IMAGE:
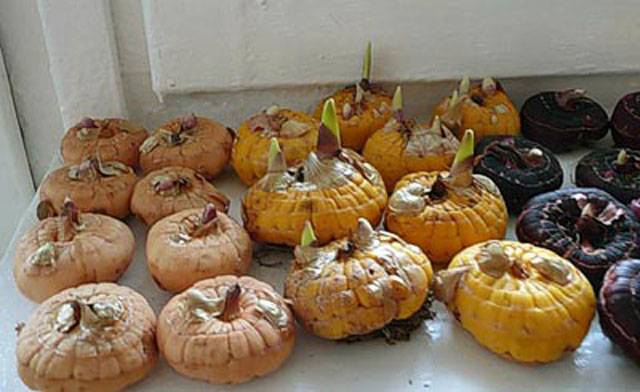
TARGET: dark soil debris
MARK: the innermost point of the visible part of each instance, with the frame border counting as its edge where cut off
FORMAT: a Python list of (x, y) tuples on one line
[(398, 330)]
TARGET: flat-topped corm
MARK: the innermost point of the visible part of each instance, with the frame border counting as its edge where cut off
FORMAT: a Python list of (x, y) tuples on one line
[(113, 139), (66, 250), (445, 212), (172, 189), (560, 120), (362, 108), (519, 167), (226, 330), (403, 146), (625, 121), (332, 188), (614, 170), (94, 186), (196, 244), (199, 143), (483, 106), (522, 302), (587, 226), (357, 284), (619, 306), (296, 133), (94, 337)]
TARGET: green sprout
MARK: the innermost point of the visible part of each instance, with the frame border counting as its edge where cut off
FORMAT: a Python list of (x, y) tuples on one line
[(366, 62), (330, 119), (308, 235)]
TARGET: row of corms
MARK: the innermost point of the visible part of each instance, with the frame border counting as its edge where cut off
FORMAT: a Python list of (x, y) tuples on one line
[(530, 301)]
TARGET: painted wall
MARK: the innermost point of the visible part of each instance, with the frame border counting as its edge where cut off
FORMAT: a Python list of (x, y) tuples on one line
[(233, 45), (27, 64), (17, 187), (154, 59), (229, 59)]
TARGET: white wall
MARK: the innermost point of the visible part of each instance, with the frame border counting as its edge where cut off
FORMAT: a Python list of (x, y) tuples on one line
[(205, 45), (229, 58), (83, 60), (17, 187), (27, 63)]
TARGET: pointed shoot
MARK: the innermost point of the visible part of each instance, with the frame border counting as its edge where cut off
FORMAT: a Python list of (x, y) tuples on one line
[(452, 117), (464, 85), (366, 63), (359, 93), (465, 151), (231, 302), (453, 100), (461, 173), (329, 132), (365, 234), (308, 235), (623, 158), (208, 214), (188, 122), (70, 210), (87, 122), (436, 125), (276, 158), (272, 110), (396, 103), (329, 118)]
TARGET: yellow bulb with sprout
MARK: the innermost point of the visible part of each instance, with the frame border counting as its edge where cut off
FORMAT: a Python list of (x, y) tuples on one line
[(332, 188)]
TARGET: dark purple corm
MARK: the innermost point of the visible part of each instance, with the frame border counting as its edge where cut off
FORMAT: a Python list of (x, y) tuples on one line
[(619, 306), (561, 119), (519, 167), (625, 121), (587, 226), (614, 170)]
